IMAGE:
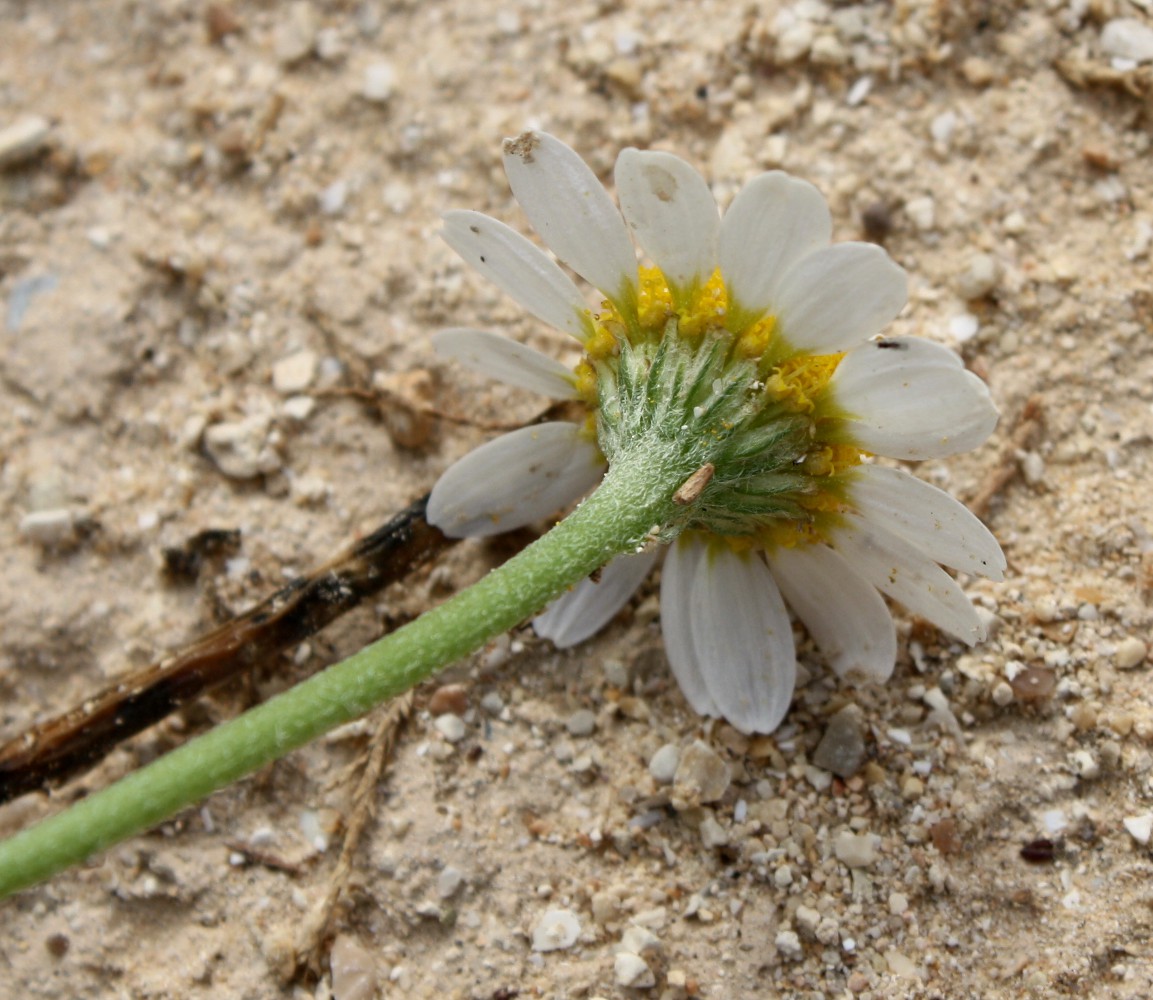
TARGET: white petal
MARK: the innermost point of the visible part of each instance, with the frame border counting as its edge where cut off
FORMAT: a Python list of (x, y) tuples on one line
[(838, 296), (673, 215), (506, 361), (895, 567), (515, 480), (680, 568), (772, 223), (573, 213), (911, 398), (941, 527), (846, 616), (520, 269), (589, 606), (743, 640)]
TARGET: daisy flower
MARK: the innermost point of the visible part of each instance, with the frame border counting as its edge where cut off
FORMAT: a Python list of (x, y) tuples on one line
[(747, 347)]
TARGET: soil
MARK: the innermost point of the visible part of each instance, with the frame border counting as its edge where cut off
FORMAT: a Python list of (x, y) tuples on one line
[(220, 271)]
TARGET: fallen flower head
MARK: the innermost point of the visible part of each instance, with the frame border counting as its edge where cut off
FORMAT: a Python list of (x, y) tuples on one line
[(750, 344)]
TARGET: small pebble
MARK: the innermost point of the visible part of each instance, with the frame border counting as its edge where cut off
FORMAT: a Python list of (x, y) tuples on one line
[(795, 41), (379, 82), (808, 920), (842, 748), (295, 35), (856, 850), (1128, 39), (449, 881), (451, 727), (353, 969), (293, 374), (922, 213), (980, 278), (1140, 827), (1002, 694), (1084, 765), (701, 776), (557, 930), (1130, 653), (581, 723), (663, 764), (632, 972), (449, 698), (977, 71), (783, 877), (898, 903), (49, 528), (639, 940), (712, 833), (23, 140), (242, 449), (492, 703), (789, 944)]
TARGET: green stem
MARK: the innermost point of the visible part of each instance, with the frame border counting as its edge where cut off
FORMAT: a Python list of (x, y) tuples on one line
[(635, 496)]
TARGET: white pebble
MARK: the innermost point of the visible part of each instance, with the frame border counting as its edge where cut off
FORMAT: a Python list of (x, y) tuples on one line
[(1129, 39), (1084, 765), (856, 850), (449, 881), (1002, 694), (638, 940), (242, 449), (632, 972), (783, 877), (450, 726), (1140, 827), (789, 945), (557, 930), (663, 764), (1130, 653), (49, 528), (23, 139), (581, 723), (353, 969), (807, 920), (331, 200), (898, 903), (712, 833), (379, 82), (795, 41), (922, 213), (702, 774), (293, 374), (295, 36), (963, 327), (980, 277)]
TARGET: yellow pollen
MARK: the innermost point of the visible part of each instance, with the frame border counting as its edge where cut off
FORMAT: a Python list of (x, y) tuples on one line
[(831, 459), (706, 307), (654, 300), (603, 343), (753, 342), (585, 382), (797, 382)]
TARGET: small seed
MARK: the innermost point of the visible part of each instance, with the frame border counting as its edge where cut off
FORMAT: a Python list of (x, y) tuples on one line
[(691, 489)]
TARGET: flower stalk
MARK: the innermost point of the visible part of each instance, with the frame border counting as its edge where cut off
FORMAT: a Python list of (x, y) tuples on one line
[(636, 496)]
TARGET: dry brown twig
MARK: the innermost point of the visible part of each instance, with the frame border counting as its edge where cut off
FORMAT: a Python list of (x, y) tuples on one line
[(316, 932), (1008, 465)]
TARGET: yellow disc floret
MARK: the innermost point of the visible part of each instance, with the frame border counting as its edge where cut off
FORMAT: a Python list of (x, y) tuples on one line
[(797, 382)]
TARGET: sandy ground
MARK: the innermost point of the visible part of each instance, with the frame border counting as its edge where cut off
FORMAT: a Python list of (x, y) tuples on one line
[(226, 220)]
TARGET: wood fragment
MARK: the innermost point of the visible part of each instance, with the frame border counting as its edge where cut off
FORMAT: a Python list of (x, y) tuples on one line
[(63, 747)]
